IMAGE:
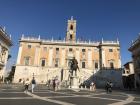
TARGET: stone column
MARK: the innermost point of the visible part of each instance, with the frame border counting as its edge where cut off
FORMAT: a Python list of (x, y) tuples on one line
[(6, 56), (19, 54), (63, 53), (5, 61), (103, 57), (37, 56), (89, 59), (119, 62), (50, 63)]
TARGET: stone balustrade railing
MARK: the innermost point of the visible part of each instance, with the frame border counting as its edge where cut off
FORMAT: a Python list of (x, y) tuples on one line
[(5, 34), (64, 41)]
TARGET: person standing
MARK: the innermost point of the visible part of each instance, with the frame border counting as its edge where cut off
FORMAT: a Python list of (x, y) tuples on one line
[(107, 87), (92, 86), (54, 85), (27, 82), (33, 84), (110, 87), (57, 84)]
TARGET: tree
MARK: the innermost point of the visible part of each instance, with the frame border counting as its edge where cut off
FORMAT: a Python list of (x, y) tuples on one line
[(11, 74)]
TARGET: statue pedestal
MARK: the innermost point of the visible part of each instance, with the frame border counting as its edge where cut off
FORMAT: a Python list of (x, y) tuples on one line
[(74, 82)]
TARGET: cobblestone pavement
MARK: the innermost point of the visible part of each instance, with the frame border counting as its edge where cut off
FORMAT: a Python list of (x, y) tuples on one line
[(14, 94)]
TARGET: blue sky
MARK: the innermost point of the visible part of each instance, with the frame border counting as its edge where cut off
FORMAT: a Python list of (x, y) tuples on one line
[(110, 19)]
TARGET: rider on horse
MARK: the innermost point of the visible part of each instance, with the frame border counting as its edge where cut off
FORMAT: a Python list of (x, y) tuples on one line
[(74, 66)]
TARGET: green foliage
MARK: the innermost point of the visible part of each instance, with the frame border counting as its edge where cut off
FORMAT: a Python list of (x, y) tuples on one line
[(11, 74)]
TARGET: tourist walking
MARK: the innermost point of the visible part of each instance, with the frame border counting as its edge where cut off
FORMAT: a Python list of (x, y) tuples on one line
[(57, 84), (109, 87), (54, 85), (33, 84), (92, 86), (49, 84)]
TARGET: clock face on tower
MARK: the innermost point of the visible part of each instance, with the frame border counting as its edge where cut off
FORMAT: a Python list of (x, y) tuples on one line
[(71, 32)]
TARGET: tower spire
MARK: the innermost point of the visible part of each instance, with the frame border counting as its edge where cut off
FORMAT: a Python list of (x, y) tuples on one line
[(71, 17)]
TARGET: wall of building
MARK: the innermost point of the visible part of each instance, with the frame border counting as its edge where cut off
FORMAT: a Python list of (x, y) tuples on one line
[(37, 52), (57, 53), (113, 56), (135, 50), (5, 43)]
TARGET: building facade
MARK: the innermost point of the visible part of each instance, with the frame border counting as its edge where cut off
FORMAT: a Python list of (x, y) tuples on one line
[(128, 68), (128, 75), (46, 59), (5, 43), (135, 50)]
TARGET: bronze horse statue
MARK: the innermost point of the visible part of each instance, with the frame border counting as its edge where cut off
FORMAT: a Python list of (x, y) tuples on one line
[(74, 66)]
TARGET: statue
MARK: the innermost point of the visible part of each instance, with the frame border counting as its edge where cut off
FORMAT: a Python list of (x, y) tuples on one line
[(74, 66)]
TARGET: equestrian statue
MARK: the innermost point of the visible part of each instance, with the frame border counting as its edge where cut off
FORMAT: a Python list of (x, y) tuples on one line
[(73, 66)]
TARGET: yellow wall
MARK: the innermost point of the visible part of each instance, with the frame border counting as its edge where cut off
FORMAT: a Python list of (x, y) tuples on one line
[(115, 55)]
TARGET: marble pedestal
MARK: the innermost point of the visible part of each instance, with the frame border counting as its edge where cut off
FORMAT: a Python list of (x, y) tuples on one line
[(74, 82)]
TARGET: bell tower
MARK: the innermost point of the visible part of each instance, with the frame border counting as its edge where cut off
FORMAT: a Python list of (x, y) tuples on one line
[(71, 30)]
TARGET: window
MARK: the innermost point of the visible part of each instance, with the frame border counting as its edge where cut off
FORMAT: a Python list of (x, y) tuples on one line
[(29, 46), (96, 65), (57, 51), (43, 62), (56, 62), (111, 65), (71, 27), (27, 61), (83, 50), (123, 71), (70, 49), (83, 64), (127, 72), (118, 49), (110, 50)]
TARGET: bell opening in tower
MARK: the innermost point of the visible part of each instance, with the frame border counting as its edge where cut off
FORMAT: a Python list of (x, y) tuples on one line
[(70, 36), (71, 27)]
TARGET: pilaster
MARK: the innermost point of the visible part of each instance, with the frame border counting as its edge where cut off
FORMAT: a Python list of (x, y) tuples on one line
[(19, 54)]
